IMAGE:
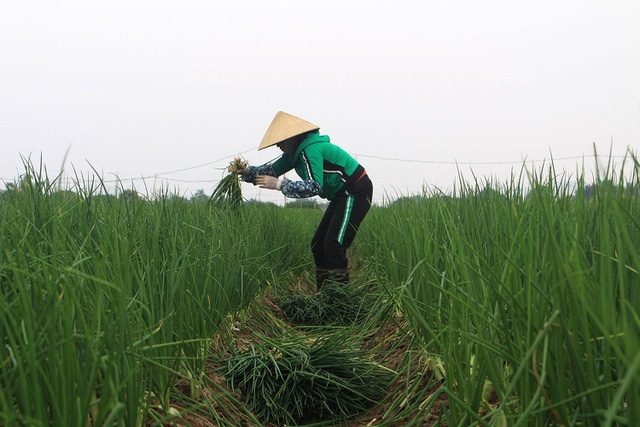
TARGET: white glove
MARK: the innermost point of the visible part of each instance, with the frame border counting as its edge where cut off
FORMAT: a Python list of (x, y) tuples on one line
[(269, 182)]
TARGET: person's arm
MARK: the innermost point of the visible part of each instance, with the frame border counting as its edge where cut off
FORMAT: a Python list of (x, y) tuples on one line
[(253, 171), (276, 169), (300, 189), (312, 186)]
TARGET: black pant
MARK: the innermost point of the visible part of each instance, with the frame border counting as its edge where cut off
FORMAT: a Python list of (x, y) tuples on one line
[(337, 230)]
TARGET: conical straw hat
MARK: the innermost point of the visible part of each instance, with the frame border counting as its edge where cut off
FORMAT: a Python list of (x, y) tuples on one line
[(285, 126)]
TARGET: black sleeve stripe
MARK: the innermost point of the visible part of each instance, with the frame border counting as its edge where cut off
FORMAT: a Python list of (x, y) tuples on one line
[(306, 162)]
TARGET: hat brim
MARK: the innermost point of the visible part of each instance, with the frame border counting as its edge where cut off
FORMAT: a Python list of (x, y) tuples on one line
[(283, 127)]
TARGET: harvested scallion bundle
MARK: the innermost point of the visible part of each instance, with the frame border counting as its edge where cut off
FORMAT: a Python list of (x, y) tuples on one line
[(336, 304), (292, 379), (228, 190)]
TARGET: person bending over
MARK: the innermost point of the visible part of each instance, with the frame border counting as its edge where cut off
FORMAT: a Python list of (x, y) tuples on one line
[(326, 171)]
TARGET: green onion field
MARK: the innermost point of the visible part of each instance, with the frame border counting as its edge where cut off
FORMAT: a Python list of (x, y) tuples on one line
[(498, 304)]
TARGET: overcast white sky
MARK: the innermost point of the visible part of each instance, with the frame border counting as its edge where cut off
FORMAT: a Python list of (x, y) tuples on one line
[(143, 87)]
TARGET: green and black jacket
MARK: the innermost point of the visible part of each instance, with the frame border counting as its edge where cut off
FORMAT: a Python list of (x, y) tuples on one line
[(326, 169)]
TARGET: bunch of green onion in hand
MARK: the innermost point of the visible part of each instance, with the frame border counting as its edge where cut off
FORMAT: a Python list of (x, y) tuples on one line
[(228, 190)]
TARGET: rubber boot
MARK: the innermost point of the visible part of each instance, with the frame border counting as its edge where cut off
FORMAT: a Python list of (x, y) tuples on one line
[(322, 275)]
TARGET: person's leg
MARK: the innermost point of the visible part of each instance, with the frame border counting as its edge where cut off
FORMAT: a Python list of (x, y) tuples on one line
[(317, 246), (349, 212)]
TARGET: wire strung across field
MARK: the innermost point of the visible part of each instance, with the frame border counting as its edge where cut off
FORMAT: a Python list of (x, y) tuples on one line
[(162, 177)]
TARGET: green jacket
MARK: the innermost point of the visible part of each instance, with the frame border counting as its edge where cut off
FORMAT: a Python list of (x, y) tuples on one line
[(319, 160)]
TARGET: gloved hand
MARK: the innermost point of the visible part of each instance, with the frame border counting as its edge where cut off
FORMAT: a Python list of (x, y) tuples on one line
[(269, 182)]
